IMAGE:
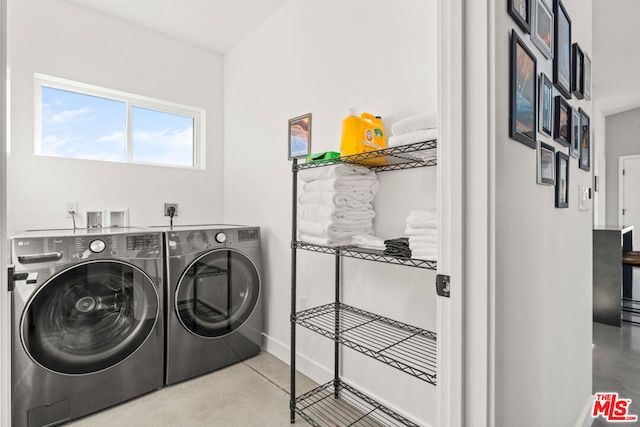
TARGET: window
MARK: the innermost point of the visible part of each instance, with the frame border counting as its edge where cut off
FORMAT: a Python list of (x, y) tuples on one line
[(79, 121)]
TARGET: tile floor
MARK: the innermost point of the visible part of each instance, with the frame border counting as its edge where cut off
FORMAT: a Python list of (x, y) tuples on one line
[(251, 393)]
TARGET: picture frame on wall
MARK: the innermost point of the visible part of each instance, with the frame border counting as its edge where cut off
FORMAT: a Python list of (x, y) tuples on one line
[(523, 92), (542, 27), (587, 77), (562, 180), (562, 50), (574, 151), (545, 115), (546, 164), (520, 11), (562, 122), (300, 136), (585, 141), (577, 71)]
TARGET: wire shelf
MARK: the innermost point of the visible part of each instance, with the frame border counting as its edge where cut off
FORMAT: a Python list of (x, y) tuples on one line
[(409, 156), (338, 404), (408, 348), (366, 254)]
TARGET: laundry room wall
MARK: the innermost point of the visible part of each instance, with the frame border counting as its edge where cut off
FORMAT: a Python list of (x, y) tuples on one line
[(324, 57), (60, 39), (543, 262)]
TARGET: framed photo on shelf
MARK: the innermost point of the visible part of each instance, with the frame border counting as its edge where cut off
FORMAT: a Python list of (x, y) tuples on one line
[(542, 27), (562, 50), (587, 77), (545, 115), (574, 151), (577, 72), (546, 164), (585, 141), (562, 180), (562, 122), (523, 94), (300, 136), (520, 11)]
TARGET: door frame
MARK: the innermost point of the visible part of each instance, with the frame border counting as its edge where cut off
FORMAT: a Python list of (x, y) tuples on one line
[(5, 305), (621, 160)]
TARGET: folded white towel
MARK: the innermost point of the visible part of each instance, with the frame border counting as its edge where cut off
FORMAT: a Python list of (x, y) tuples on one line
[(427, 256), (413, 123), (410, 231), (422, 238), (423, 246), (334, 171), (340, 184), (336, 198), (322, 213), (368, 242), (331, 229), (325, 241), (425, 156), (422, 219), (412, 137)]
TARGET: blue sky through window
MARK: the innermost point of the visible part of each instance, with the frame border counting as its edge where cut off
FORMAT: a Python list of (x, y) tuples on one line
[(75, 125)]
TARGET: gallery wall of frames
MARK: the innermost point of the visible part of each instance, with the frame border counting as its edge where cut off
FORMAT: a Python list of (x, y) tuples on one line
[(537, 118)]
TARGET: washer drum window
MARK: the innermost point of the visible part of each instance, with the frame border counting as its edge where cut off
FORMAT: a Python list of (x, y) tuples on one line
[(217, 293), (90, 317)]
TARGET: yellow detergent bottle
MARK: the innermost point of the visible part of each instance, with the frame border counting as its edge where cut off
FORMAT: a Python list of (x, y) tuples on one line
[(362, 134)]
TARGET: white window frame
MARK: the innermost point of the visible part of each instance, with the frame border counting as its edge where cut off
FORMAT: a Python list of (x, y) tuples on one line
[(130, 100)]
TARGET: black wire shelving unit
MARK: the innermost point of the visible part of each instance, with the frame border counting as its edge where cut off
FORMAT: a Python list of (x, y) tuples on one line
[(407, 348)]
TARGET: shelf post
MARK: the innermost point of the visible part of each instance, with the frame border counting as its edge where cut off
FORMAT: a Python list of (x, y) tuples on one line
[(336, 344), (294, 215)]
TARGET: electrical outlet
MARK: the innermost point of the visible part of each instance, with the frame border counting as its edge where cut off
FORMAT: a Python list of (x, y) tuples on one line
[(168, 207), (71, 207)]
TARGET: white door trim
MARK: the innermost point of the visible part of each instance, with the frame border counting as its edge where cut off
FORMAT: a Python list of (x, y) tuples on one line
[(5, 306), (621, 160)]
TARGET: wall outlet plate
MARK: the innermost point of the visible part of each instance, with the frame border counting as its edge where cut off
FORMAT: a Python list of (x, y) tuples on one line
[(71, 206), (168, 206)]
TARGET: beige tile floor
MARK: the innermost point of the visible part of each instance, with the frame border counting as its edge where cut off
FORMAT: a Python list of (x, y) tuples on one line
[(251, 393)]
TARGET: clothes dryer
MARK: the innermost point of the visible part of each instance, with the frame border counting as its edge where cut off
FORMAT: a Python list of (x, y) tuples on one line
[(214, 310), (87, 333)]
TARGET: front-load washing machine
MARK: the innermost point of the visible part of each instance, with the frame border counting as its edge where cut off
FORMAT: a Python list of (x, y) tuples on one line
[(87, 310), (214, 310)]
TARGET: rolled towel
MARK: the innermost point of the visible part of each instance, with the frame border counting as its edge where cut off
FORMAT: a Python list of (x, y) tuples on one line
[(334, 171), (322, 213), (410, 231), (325, 241), (414, 123), (368, 242), (336, 198), (340, 184), (331, 229), (422, 219), (412, 137), (425, 255)]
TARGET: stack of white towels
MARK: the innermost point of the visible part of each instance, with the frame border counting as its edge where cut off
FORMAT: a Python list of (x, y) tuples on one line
[(421, 227), (336, 204), (419, 128)]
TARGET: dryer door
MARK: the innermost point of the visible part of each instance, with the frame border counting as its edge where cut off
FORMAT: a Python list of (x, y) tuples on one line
[(89, 317), (217, 293)]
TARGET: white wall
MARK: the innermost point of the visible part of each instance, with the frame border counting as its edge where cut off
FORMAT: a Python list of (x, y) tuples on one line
[(622, 140), (61, 39), (324, 57), (543, 310)]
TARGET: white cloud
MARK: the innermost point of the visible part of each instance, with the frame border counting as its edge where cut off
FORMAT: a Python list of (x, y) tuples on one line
[(66, 116), (166, 138), (117, 136)]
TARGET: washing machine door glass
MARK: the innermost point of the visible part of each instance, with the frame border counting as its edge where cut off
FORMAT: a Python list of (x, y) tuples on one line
[(217, 293), (90, 317)]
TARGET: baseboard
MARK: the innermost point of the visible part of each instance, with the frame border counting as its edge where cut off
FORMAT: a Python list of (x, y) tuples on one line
[(585, 419), (304, 365)]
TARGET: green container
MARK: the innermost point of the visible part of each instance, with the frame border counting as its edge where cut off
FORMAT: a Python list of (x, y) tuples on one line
[(326, 156)]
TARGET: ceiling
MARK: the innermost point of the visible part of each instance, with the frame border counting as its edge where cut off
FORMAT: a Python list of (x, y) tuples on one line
[(216, 25), (616, 55)]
